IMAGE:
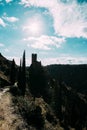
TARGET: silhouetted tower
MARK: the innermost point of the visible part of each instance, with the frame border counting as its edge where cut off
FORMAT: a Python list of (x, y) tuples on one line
[(34, 58)]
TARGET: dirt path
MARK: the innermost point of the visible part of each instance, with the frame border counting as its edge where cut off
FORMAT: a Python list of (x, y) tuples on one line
[(9, 120)]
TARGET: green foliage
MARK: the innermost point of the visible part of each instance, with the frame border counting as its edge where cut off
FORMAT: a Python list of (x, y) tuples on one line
[(70, 108), (73, 75), (30, 112), (23, 73), (38, 81), (22, 76), (14, 90), (13, 73)]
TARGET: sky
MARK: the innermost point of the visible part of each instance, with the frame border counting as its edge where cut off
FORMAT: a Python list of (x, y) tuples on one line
[(54, 29)]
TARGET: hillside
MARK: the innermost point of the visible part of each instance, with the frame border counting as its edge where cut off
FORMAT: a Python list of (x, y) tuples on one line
[(43, 98), (12, 119), (5, 65), (22, 113), (4, 80), (5, 70), (73, 75)]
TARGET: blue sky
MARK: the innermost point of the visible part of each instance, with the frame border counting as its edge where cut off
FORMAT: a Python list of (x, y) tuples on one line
[(54, 29)]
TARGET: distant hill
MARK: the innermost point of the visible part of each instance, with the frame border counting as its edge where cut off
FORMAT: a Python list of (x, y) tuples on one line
[(73, 75)]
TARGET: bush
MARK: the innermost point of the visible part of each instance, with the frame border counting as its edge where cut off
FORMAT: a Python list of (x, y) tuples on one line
[(30, 112)]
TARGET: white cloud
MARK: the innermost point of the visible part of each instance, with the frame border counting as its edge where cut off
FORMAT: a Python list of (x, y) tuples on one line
[(6, 50), (57, 60), (70, 18), (44, 3), (8, 1), (44, 42), (10, 19), (17, 59), (1, 45), (65, 60), (2, 23)]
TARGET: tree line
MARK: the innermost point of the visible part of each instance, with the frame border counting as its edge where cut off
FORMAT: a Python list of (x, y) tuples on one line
[(36, 80)]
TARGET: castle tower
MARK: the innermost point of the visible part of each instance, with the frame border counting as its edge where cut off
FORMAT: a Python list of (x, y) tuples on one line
[(34, 58)]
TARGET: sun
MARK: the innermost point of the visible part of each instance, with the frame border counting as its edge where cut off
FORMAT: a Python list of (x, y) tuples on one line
[(34, 26)]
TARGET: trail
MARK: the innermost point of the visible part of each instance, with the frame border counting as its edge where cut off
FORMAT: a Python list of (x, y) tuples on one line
[(9, 118), (3, 91)]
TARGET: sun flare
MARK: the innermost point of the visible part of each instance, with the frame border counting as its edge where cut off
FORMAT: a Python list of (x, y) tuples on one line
[(34, 27)]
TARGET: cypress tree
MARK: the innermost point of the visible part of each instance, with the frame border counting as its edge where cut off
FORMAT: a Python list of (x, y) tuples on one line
[(13, 72), (20, 76), (23, 74)]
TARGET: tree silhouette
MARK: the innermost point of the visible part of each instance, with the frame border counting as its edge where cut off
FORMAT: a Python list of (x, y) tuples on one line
[(23, 79), (13, 72), (38, 80), (22, 76)]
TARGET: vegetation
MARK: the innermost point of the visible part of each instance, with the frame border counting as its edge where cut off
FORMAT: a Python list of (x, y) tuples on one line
[(51, 95), (13, 73), (38, 81), (22, 76), (73, 75), (19, 76)]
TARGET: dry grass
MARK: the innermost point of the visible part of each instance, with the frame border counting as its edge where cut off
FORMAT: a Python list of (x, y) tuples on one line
[(9, 120), (4, 77)]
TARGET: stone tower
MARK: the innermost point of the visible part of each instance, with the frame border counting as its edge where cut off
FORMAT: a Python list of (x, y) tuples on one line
[(34, 58)]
